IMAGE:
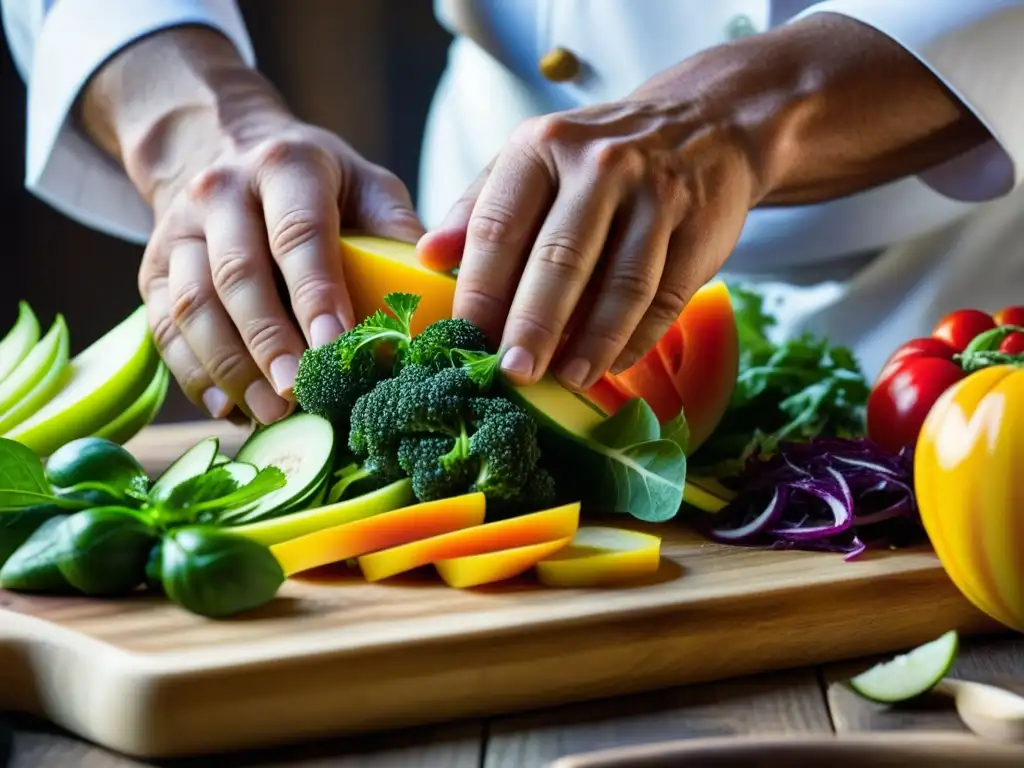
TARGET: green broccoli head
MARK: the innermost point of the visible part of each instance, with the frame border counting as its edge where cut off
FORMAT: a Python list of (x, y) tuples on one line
[(436, 465), (333, 376), (328, 382), (433, 346), (374, 432), (506, 451)]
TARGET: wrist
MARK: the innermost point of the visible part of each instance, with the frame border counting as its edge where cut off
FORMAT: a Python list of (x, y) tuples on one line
[(168, 104), (824, 107)]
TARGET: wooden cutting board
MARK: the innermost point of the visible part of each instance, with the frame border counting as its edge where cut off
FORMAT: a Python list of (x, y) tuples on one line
[(336, 655)]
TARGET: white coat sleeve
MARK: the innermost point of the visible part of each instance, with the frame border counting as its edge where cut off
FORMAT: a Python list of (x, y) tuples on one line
[(57, 45), (976, 48)]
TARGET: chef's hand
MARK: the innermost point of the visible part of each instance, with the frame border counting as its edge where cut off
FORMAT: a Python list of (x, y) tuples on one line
[(240, 190), (584, 239)]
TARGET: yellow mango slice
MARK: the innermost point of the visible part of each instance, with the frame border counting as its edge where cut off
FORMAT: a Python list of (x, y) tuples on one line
[(490, 567), (375, 267), (536, 528), (380, 532), (601, 556)]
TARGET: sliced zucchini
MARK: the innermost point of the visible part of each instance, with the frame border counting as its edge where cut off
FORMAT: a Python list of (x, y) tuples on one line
[(192, 463), (243, 472), (221, 459), (301, 446)]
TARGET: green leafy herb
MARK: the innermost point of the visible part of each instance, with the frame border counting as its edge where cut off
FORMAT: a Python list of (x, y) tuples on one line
[(795, 390), (22, 478), (637, 471), (209, 496), (381, 326)]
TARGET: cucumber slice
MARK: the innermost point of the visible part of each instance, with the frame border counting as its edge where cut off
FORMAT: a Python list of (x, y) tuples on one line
[(192, 463), (242, 472), (301, 446), (221, 458), (910, 675)]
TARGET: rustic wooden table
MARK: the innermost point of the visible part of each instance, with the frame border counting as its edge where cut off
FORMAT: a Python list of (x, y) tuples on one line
[(803, 701), (799, 701)]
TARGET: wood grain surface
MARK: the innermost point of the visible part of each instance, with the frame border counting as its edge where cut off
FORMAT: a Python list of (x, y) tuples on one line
[(336, 655)]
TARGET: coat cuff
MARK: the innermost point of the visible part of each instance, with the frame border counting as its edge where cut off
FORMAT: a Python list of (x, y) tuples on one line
[(63, 167), (972, 47)]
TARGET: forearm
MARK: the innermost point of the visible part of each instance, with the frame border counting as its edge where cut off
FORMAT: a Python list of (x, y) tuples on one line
[(826, 107), (154, 106)]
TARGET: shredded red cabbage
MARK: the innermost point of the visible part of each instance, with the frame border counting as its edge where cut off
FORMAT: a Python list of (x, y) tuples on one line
[(829, 494)]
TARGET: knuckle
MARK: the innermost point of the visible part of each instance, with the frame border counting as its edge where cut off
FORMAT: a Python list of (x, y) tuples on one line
[(561, 254), (547, 129), (634, 283), (230, 270), (193, 381), (312, 290), (491, 225), (229, 365), (264, 337), (618, 158), (188, 300), (164, 331), (281, 152), (293, 230), (668, 302), (531, 325), (210, 183), (666, 187)]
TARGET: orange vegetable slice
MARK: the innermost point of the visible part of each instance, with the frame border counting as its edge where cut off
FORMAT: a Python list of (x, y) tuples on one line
[(536, 528), (475, 570), (380, 532), (601, 556)]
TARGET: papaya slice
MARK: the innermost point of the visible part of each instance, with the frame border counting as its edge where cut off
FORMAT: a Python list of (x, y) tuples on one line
[(535, 528), (601, 556), (384, 531), (491, 567)]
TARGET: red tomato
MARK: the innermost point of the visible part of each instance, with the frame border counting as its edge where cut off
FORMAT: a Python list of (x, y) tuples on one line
[(1013, 344), (905, 392), (1009, 316), (959, 328)]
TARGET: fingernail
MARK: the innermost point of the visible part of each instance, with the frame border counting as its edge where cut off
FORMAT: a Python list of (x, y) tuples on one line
[(518, 361), (282, 372), (264, 402), (574, 373), (325, 329), (216, 402)]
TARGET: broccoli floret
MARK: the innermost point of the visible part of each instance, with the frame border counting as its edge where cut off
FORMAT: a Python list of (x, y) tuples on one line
[(328, 384), (433, 346), (450, 439), (333, 376)]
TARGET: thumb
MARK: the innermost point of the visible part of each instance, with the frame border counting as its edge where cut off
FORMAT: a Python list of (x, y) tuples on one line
[(441, 248), (384, 208)]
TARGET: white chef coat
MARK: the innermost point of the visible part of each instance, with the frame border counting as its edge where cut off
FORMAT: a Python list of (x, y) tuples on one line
[(868, 270)]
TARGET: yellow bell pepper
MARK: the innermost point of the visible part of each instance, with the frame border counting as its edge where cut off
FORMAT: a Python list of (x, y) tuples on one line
[(969, 481)]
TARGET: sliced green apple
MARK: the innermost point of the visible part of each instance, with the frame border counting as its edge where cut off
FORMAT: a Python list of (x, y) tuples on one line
[(18, 342), (112, 371), (37, 378), (140, 413)]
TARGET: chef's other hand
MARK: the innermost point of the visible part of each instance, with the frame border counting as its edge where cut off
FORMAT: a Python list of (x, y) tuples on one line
[(241, 190), (588, 233)]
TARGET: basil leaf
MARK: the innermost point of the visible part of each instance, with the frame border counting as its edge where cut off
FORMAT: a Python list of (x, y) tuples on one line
[(633, 423), (22, 477), (267, 479)]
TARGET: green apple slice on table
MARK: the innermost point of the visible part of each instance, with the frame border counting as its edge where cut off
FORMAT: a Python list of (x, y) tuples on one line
[(18, 342), (97, 385), (140, 413), (36, 378)]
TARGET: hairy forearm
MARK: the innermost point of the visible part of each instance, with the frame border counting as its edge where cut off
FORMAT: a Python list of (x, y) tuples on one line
[(155, 105), (826, 107)]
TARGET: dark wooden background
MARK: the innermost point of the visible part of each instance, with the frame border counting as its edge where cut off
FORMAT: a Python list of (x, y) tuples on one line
[(364, 69)]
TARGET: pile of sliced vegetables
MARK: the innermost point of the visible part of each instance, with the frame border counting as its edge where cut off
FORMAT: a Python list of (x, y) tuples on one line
[(218, 535), (827, 494)]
